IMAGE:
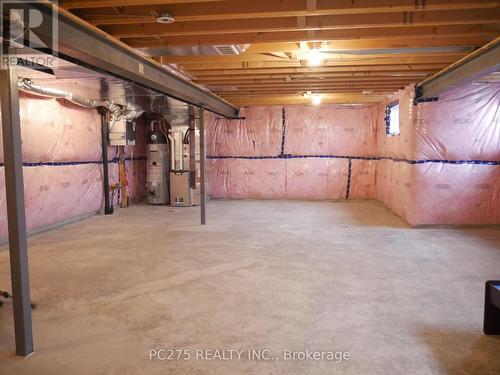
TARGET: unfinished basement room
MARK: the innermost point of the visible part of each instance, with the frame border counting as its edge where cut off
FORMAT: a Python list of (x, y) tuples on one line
[(278, 187)]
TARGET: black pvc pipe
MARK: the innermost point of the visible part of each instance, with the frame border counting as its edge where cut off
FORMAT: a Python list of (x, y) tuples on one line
[(108, 209)]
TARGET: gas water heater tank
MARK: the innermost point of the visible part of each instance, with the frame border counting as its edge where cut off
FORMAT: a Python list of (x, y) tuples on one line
[(157, 184)]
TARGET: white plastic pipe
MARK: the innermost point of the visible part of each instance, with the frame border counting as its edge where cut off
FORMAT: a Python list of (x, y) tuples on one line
[(172, 151)]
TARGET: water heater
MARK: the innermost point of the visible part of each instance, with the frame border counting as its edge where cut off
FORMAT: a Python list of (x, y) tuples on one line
[(157, 184)]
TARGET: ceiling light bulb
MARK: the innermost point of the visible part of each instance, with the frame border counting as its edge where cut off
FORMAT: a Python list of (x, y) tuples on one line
[(316, 100), (315, 57)]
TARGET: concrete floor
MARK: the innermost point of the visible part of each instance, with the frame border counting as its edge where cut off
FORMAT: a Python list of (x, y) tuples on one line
[(348, 277)]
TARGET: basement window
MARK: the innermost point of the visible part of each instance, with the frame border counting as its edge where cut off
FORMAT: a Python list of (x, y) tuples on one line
[(392, 119)]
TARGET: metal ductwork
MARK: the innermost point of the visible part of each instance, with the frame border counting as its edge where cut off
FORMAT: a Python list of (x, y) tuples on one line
[(88, 47), (117, 111)]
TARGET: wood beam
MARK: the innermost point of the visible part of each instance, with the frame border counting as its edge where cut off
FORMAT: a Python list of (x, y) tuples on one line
[(332, 22), (80, 4), (257, 95), (339, 86), (346, 34), (242, 83), (330, 58), (358, 87), (322, 70), (336, 98), (273, 85), (243, 9), (320, 90), (267, 65), (326, 75), (270, 65), (349, 45), (311, 5), (242, 99)]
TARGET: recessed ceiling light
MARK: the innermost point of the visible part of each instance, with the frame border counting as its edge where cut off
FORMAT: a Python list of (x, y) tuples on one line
[(316, 99), (315, 57), (165, 18)]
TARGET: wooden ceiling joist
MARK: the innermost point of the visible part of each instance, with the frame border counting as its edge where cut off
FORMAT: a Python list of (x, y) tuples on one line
[(332, 22), (264, 82), (325, 75), (369, 49), (486, 30), (373, 44), (291, 99), (332, 58), (347, 44), (350, 69), (81, 4), (140, 11), (306, 84)]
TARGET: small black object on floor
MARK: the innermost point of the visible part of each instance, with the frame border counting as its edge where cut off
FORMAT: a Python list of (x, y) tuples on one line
[(492, 308)]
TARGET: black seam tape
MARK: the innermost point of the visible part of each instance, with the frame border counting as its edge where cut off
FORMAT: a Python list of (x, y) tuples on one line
[(349, 173), (83, 162), (416, 161)]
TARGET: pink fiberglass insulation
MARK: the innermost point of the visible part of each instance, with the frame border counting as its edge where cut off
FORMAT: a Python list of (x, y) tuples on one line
[(400, 146), (136, 177), (315, 131), (363, 179), (454, 140), (316, 179), (331, 130), (304, 178), (57, 132), (464, 124), (394, 179), (136, 164), (440, 193), (425, 174), (395, 187), (455, 194), (257, 134), (56, 193), (243, 178)]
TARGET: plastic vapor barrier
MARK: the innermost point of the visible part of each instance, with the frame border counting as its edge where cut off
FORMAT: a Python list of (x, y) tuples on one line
[(62, 159), (293, 153), (332, 130), (442, 167), (259, 134)]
